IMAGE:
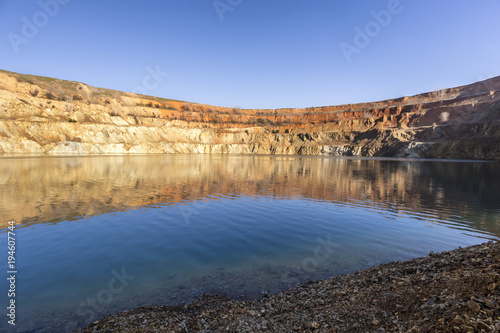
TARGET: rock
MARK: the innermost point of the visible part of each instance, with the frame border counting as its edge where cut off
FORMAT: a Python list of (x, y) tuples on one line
[(315, 325), (375, 322), (473, 306), (483, 326), (490, 304)]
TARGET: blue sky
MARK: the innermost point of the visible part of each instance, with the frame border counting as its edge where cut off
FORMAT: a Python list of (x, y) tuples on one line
[(256, 53)]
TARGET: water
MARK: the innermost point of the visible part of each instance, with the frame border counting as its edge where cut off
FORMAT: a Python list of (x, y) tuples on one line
[(96, 235)]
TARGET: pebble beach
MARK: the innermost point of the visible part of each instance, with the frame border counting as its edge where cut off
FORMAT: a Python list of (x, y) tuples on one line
[(455, 291)]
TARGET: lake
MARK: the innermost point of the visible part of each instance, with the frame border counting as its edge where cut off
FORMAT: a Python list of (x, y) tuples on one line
[(100, 234)]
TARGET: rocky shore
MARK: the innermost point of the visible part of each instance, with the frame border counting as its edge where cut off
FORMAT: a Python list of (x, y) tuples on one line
[(456, 291)]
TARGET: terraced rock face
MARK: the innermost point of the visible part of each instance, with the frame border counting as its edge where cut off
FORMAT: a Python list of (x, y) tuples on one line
[(49, 116)]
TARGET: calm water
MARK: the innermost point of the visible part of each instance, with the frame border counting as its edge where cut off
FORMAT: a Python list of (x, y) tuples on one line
[(96, 235)]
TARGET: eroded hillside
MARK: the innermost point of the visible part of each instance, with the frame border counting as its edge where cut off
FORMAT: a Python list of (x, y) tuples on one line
[(51, 116)]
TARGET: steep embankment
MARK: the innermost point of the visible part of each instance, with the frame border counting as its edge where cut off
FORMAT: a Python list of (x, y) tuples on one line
[(51, 116)]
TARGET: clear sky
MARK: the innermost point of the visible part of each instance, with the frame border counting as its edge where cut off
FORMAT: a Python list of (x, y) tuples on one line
[(255, 53)]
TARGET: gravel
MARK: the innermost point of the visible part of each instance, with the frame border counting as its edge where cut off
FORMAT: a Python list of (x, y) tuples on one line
[(456, 291)]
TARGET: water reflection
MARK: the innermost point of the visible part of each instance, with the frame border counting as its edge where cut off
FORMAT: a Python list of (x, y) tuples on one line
[(52, 189), (185, 225)]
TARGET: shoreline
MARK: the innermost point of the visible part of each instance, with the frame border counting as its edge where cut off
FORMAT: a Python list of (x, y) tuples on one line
[(453, 291)]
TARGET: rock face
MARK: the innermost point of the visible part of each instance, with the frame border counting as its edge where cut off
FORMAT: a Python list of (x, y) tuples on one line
[(49, 116)]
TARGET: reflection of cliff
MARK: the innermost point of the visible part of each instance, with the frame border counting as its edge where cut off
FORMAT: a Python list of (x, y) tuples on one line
[(46, 115), (45, 190)]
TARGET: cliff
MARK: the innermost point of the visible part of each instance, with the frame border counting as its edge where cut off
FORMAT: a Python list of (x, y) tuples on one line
[(43, 115)]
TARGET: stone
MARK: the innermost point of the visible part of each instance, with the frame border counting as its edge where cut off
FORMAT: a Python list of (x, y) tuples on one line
[(490, 304), (473, 306), (483, 326)]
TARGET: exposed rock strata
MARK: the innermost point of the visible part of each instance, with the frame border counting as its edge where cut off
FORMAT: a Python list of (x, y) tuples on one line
[(49, 116)]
